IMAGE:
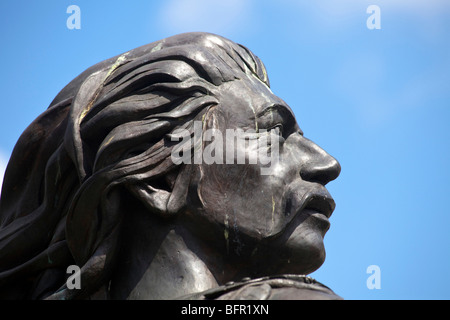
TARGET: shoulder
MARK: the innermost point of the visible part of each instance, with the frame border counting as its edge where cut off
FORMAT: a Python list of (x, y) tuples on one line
[(282, 287)]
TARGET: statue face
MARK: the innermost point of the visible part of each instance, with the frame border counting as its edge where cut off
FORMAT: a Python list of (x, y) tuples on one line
[(275, 221)]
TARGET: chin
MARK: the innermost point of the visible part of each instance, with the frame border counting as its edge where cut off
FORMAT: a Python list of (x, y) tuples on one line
[(299, 252), (305, 257), (303, 249)]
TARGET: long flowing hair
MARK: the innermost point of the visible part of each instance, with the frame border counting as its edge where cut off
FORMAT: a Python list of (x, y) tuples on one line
[(107, 131)]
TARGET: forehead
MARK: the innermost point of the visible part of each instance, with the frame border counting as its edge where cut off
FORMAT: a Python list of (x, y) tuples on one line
[(245, 99)]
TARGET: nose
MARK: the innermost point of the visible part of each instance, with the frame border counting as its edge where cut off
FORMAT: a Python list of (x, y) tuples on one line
[(320, 166)]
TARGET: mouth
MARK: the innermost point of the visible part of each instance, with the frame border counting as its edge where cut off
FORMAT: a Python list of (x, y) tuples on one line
[(321, 203), (318, 205)]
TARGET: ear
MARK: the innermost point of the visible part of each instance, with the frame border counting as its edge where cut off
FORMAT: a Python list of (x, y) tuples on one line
[(164, 201)]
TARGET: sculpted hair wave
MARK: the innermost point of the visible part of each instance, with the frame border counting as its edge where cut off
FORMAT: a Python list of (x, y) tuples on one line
[(107, 131)]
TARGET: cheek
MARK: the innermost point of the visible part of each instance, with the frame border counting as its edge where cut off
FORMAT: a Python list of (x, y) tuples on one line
[(240, 199)]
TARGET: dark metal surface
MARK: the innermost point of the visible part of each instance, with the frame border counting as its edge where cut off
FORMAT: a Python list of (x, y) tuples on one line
[(91, 183)]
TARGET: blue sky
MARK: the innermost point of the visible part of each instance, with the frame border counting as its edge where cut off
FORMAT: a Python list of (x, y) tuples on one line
[(377, 100)]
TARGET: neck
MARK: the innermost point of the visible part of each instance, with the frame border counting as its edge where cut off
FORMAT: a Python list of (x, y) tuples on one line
[(163, 261)]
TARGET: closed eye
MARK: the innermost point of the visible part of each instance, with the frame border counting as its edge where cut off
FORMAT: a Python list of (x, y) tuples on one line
[(277, 117), (277, 129)]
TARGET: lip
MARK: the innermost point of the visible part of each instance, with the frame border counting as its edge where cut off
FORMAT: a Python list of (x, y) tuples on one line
[(319, 202), (318, 205)]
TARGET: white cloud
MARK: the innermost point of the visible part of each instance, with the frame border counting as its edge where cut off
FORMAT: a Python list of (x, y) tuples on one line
[(362, 80), (346, 6), (417, 6), (425, 16), (214, 16)]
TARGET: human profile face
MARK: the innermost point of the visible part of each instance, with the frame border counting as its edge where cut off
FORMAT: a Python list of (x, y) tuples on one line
[(274, 221)]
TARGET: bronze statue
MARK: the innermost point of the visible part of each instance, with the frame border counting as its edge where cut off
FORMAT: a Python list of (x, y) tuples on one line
[(92, 182)]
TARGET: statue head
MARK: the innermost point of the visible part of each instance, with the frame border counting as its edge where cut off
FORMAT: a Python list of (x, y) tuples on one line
[(109, 145)]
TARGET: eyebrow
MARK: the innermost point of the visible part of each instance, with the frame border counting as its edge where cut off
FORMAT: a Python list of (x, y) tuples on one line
[(283, 110)]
